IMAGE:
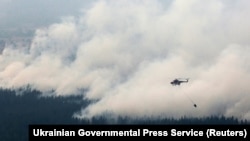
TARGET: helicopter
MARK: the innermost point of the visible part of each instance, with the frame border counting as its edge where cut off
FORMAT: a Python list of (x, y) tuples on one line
[(178, 81)]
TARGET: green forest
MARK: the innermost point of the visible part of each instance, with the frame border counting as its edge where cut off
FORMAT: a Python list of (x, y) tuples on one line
[(21, 107)]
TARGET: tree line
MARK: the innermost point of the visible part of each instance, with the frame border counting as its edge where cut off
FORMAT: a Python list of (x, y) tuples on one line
[(21, 107)]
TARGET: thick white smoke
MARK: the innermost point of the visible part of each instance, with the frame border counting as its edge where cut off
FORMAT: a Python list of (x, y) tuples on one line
[(126, 53)]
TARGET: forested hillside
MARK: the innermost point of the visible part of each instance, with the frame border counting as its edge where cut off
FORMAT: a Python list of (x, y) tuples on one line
[(25, 106)]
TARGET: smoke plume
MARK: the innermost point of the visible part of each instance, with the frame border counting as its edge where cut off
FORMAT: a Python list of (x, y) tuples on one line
[(124, 54)]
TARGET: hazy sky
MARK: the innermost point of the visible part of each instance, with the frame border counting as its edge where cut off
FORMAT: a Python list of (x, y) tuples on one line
[(25, 13), (125, 54)]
